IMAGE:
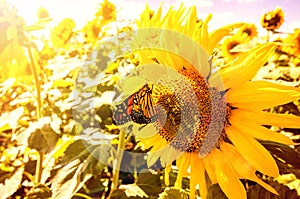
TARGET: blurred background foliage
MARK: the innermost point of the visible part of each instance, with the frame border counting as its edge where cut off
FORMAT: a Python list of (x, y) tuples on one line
[(53, 144)]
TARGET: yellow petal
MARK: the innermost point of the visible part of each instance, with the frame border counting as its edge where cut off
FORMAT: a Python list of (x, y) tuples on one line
[(245, 67), (191, 23), (182, 164), (204, 40), (226, 176), (255, 130), (158, 143), (216, 81), (157, 15), (199, 58), (243, 167), (144, 17), (167, 174), (216, 36), (266, 118), (261, 95), (169, 154), (210, 168), (197, 176), (131, 85), (152, 158), (253, 152), (149, 142), (151, 72), (145, 132)]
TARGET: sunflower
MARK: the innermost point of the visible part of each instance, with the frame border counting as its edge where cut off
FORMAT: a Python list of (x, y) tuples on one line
[(292, 44), (61, 34), (249, 29), (91, 30), (230, 46), (107, 11), (42, 13), (209, 122), (272, 20)]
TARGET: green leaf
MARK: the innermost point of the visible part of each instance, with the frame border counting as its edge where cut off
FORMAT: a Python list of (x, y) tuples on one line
[(10, 120), (289, 180), (150, 178), (68, 180), (95, 185), (76, 150), (39, 135), (11, 183), (151, 190), (34, 27), (215, 192), (173, 193), (80, 163), (287, 158), (150, 183), (63, 83), (284, 192), (43, 139), (39, 191), (7, 84), (61, 147), (39, 25), (128, 191), (173, 177)]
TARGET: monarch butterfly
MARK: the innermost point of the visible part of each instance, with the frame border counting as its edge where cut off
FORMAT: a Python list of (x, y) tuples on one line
[(138, 108)]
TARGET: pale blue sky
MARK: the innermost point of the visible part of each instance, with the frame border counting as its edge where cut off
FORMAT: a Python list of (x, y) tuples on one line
[(225, 11)]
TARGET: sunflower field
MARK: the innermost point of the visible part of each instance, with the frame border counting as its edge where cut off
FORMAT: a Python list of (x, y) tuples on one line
[(157, 107)]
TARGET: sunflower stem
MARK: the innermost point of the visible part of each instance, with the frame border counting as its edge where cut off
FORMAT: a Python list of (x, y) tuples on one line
[(33, 67), (117, 161), (39, 168), (37, 84)]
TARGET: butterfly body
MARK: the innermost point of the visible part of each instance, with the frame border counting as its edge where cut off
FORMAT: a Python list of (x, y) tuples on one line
[(138, 108)]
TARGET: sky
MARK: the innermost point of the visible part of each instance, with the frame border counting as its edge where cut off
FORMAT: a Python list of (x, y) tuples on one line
[(224, 11)]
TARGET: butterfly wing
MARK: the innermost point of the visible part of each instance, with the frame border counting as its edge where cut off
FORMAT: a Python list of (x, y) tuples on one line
[(143, 111), (123, 111), (138, 107)]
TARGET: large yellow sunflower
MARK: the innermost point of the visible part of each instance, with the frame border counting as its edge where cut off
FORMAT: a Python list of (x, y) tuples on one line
[(208, 121), (272, 20)]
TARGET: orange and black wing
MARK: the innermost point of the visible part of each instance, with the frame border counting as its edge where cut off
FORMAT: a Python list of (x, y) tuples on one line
[(138, 108), (123, 111), (143, 111)]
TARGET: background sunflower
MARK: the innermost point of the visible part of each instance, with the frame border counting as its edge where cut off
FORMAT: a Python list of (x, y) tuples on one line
[(230, 47), (249, 29), (292, 43), (272, 20)]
